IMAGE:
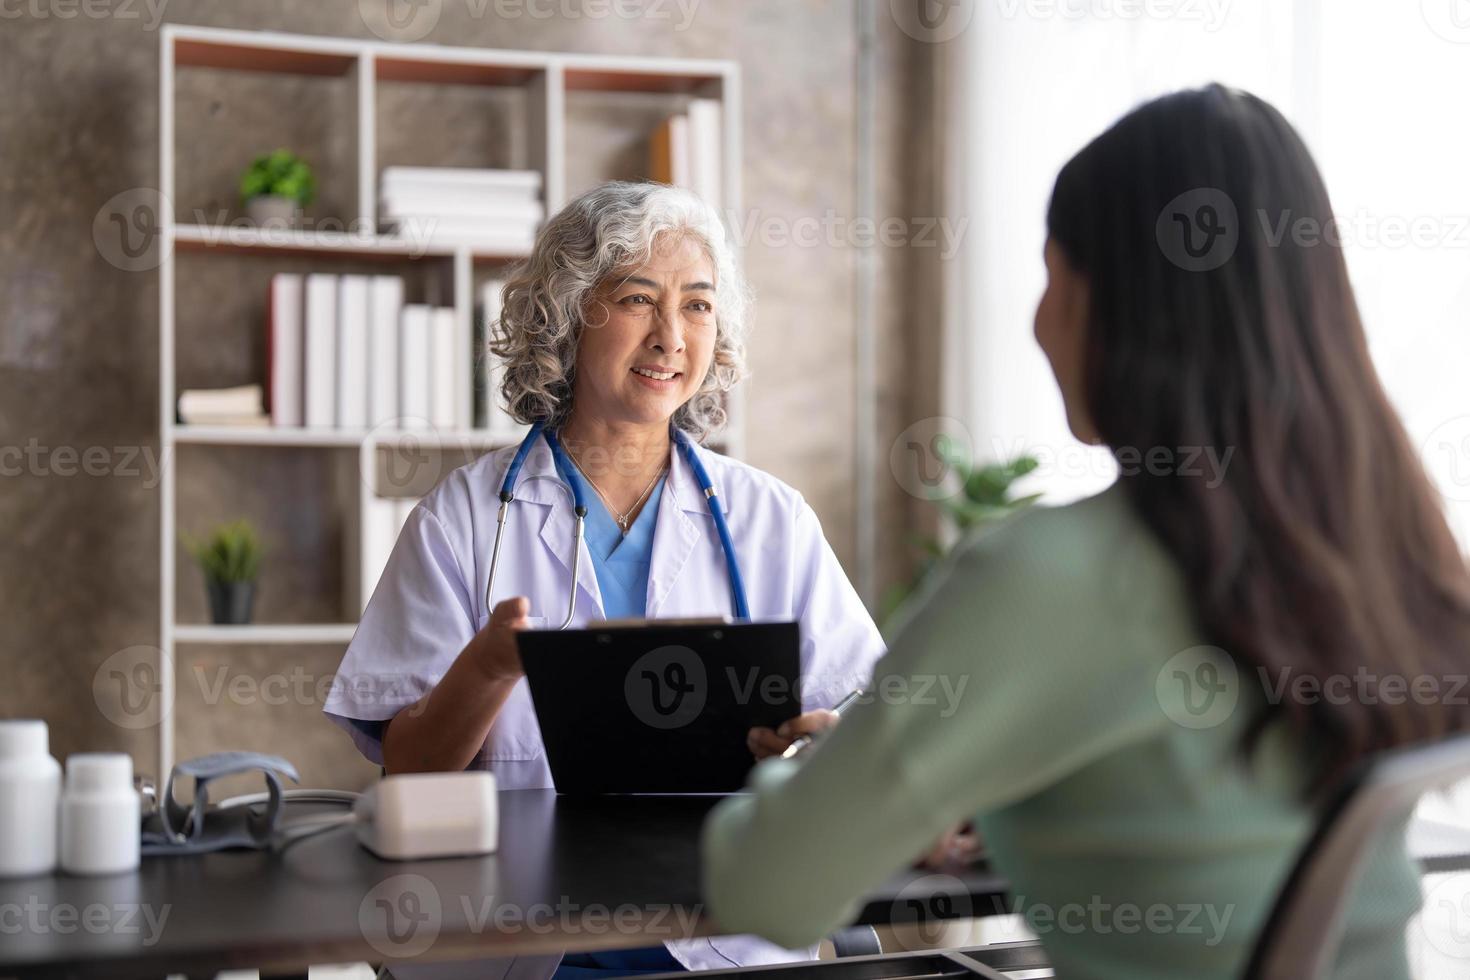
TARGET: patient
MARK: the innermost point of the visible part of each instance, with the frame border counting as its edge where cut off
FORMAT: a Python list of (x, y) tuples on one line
[(1135, 742)]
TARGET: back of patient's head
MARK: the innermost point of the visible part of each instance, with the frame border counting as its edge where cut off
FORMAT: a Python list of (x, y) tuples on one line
[(1323, 550)]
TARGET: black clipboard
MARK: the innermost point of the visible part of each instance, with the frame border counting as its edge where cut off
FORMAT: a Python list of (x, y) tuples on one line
[(659, 707)]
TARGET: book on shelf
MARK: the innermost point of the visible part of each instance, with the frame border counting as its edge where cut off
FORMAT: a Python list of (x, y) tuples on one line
[(459, 204), (332, 350), (321, 351), (446, 361), (685, 150), (704, 149), (352, 352), (364, 359), (415, 343), (489, 371), (526, 182), (669, 152), (284, 351), (382, 523), (243, 405), (386, 306), (472, 232), (493, 210)]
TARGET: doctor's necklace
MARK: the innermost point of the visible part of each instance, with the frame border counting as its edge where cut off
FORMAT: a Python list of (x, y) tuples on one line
[(623, 518)]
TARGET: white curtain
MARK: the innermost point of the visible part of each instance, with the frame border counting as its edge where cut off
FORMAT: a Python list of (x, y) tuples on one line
[(1376, 88)]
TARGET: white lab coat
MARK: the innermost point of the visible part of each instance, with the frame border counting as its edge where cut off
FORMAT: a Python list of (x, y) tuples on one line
[(431, 600)]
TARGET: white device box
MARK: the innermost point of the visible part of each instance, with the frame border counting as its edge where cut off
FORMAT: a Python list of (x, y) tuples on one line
[(429, 814)]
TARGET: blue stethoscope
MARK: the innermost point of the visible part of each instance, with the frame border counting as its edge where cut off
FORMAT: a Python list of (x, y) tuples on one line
[(507, 495)]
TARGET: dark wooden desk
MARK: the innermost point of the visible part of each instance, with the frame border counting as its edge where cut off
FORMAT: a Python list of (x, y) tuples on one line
[(570, 875)]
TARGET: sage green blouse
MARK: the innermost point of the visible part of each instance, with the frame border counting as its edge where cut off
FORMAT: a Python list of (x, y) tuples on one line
[(1049, 683)]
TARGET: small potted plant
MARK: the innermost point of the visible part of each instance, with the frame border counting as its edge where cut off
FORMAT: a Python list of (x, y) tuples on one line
[(230, 559), (275, 187), (987, 499)]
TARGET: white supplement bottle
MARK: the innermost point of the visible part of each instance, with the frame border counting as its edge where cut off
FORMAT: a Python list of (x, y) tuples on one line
[(30, 785), (99, 814)]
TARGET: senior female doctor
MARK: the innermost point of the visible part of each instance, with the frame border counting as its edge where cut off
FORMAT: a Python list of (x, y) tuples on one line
[(619, 336)]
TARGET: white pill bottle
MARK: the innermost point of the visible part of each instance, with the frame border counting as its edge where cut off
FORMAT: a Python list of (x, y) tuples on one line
[(30, 792), (99, 814)]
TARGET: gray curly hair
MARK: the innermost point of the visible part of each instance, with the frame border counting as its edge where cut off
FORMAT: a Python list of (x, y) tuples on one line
[(603, 234)]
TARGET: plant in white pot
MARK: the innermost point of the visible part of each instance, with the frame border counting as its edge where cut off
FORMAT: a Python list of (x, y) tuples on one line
[(275, 188), (230, 560)]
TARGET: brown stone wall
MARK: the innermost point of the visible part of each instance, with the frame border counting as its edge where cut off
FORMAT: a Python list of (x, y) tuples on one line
[(79, 336)]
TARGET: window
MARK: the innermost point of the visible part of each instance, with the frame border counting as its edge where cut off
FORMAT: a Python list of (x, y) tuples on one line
[(1374, 89)]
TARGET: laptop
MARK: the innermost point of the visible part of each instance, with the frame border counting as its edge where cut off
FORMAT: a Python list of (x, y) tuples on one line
[(659, 707)]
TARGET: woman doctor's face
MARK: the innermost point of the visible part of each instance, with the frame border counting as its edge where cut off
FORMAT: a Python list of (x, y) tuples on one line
[(648, 337)]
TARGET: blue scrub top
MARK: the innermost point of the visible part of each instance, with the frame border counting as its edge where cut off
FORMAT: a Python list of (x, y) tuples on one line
[(619, 561), (621, 564)]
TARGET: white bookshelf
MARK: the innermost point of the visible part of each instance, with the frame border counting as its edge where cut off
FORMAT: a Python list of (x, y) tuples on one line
[(296, 634), (342, 438), (545, 78), (292, 242)]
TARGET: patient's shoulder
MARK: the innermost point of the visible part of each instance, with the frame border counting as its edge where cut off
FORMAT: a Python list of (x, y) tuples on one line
[(1096, 547)]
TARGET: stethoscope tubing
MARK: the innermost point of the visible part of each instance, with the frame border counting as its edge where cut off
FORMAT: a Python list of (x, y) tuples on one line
[(727, 543), (507, 497)]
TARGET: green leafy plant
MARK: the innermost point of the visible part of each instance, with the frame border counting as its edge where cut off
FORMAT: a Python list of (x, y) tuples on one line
[(986, 498), (231, 553), (281, 173)]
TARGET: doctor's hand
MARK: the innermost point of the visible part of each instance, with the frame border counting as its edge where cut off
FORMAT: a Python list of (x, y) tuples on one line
[(958, 846), (494, 646), (764, 743)]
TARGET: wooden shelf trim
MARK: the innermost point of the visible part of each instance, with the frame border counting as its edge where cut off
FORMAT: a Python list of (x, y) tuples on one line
[(230, 435), (271, 51), (265, 633)]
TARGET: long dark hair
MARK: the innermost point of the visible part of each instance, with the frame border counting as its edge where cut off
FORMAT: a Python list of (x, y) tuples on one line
[(1222, 317)]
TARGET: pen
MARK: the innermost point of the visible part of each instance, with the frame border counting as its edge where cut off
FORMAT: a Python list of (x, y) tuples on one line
[(802, 741)]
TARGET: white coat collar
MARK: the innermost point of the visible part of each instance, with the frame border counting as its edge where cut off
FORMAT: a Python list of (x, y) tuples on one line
[(687, 492), (674, 539)]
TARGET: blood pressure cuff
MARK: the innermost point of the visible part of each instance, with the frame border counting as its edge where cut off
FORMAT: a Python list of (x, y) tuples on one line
[(198, 827)]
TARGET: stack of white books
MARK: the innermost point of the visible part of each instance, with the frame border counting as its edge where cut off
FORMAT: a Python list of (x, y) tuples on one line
[(489, 409), (495, 211), (346, 352), (242, 405), (685, 150), (382, 523)]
